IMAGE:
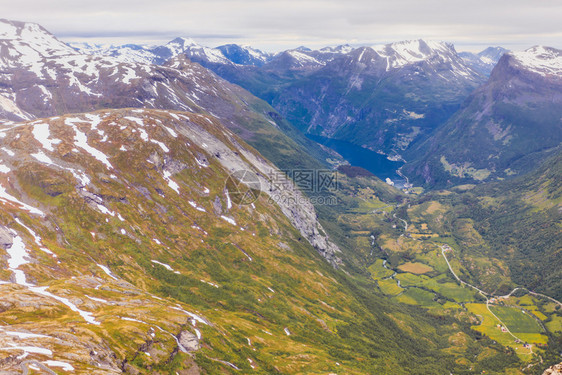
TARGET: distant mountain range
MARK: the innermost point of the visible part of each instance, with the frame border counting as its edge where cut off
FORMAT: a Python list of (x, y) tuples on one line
[(485, 60), (382, 98), (44, 77), (226, 54), (400, 99), (386, 98)]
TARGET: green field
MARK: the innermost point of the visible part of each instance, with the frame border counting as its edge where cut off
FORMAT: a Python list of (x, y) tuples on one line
[(516, 320), (389, 287), (416, 296), (416, 268), (489, 326), (378, 271), (447, 289), (408, 279), (555, 325)]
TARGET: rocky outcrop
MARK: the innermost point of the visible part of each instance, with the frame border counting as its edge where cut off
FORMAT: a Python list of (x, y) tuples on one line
[(293, 203), (188, 341), (554, 370), (6, 238)]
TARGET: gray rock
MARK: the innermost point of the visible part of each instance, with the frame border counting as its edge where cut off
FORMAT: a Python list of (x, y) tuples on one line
[(188, 341), (6, 238)]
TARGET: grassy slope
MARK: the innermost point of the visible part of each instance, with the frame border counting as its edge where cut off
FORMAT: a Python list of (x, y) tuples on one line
[(332, 317)]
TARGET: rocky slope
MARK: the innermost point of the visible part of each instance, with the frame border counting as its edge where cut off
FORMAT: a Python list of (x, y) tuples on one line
[(125, 248), (98, 207), (504, 128)]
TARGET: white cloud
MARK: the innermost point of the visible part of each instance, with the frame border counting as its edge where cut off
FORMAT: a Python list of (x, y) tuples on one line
[(275, 25)]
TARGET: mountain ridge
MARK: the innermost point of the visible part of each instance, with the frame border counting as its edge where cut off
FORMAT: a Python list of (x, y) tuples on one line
[(73, 82), (511, 119)]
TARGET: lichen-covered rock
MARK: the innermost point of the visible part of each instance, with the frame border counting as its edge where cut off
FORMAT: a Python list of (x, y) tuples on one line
[(554, 370), (188, 341)]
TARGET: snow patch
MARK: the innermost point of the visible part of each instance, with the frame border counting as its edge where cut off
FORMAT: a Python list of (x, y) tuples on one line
[(228, 219), (107, 271)]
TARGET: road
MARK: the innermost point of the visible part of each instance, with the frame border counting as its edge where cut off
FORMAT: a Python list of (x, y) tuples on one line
[(404, 221), (484, 294), (487, 296)]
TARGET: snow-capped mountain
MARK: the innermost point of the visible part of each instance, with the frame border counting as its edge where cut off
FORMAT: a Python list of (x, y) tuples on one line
[(43, 77), (344, 48), (196, 52), (425, 57), (408, 52), (545, 61), (129, 53), (485, 60), (506, 126), (383, 97), (29, 43), (134, 53), (173, 48), (294, 60), (244, 54)]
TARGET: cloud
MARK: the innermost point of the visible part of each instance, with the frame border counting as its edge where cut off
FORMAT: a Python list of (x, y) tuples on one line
[(274, 25)]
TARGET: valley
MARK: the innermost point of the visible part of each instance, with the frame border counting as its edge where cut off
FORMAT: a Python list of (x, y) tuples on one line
[(422, 261), (156, 217)]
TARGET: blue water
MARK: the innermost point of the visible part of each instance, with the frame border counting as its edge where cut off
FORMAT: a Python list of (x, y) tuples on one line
[(358, 156)]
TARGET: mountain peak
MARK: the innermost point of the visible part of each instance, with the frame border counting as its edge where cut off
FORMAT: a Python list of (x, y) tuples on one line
[(342, 48), (546, 61), (30, 40), (412, 51), (14, 29), (182, 42), (244, 54)]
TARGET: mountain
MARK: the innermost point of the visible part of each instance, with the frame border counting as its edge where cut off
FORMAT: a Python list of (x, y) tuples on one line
[(135, 53), (140, 234), (119, 232), (125, 251), (382, 98), (244, 55), (195, 51), (484, 61), (128, 53), (505, 127), (44, 77)]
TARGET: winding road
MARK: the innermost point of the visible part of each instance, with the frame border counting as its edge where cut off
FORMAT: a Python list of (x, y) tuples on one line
[(486, 295)]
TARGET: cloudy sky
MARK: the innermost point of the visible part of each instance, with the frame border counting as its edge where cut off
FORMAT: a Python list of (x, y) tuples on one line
[(274, 25)]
